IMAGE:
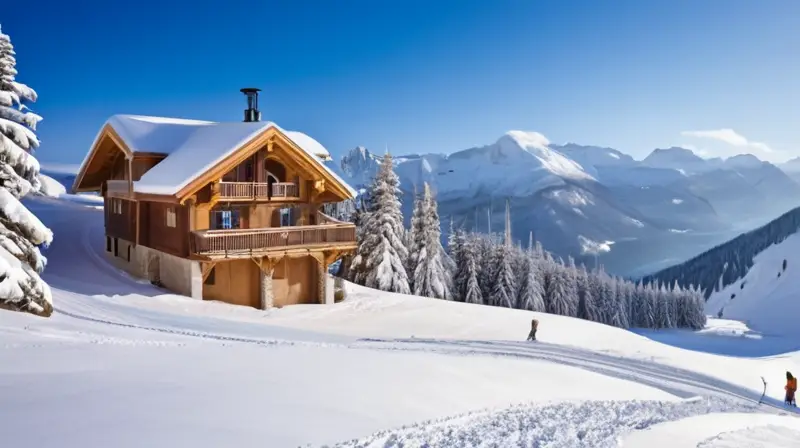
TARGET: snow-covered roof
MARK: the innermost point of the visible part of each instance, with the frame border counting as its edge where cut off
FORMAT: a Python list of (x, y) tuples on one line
[(193, 147)]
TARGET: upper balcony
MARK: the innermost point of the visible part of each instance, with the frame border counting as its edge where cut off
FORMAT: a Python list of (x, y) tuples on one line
[(331, 234), (253, 191)]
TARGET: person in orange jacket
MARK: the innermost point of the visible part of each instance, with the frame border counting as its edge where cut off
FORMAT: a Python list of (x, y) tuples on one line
[(791, 388)]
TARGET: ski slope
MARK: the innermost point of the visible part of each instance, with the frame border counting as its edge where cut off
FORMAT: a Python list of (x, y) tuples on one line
[(122, 363), (768, 297)]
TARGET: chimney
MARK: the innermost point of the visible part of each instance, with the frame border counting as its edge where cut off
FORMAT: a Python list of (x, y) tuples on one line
[(252, 113)]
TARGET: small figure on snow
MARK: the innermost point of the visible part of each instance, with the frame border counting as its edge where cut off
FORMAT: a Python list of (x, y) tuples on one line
[(534, 326), (791, 388)]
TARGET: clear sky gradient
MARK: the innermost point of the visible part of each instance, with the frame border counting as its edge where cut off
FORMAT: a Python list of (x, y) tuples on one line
[(721, 76)]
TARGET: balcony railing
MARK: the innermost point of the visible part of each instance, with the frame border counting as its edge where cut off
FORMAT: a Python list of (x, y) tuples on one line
[(246, 242), (258, 190)]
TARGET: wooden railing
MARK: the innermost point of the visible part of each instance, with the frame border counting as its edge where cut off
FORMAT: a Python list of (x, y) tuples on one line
[(244, 242), (258, 190), (285, 190), (324, 219)]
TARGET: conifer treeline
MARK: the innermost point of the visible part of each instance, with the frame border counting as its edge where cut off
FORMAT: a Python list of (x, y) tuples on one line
[(489, 270)]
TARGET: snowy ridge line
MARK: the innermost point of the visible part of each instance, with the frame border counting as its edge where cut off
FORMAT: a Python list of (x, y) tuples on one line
[(595, 424), (194, 334), (680, 382)]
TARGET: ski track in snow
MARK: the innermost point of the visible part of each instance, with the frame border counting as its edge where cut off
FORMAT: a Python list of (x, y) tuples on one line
[(679, 382), (595, 424)]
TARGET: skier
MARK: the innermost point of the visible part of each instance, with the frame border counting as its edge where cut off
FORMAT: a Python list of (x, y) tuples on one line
[(534, 326), (791, 388)]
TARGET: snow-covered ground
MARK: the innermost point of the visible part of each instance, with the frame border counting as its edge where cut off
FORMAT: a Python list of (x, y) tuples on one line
[(767, 297), (122, 363)]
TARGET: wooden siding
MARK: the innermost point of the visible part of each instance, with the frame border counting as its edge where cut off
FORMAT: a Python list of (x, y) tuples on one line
[(155, 233), (142, 164), (237, 282), (295, 281), (120, 225)]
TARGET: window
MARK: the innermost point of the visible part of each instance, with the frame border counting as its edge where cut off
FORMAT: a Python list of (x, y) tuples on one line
[(108, 244), (172, 218), (116, 206), (225, 219), (210, 279), (116, 247), (248, 170), (286, 217)]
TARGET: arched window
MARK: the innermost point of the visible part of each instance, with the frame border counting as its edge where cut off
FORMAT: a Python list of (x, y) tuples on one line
[(275, 169)]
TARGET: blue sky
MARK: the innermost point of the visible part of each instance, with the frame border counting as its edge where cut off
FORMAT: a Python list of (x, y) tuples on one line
[(424, 76)]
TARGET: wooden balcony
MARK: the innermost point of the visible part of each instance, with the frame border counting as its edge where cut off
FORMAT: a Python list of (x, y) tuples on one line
[(250, 191), (239, 243)]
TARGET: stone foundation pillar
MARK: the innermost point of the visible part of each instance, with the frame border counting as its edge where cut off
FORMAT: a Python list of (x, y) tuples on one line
[(322, 275), (196, 280), (267, 294)]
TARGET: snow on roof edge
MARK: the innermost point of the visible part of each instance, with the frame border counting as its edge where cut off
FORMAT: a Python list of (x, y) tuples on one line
[(303, 141)]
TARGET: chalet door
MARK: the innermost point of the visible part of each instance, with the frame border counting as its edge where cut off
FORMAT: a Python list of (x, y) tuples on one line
[(271, 179)]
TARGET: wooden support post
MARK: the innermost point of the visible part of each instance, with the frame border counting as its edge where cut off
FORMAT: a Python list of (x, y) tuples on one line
[(130, 176), (138, 218), (206, 268)]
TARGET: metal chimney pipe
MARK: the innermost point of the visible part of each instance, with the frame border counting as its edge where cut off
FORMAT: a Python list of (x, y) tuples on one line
[(251, 114)]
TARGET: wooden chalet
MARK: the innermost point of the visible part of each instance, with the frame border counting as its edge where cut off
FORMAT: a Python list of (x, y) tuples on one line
[(219, 211)]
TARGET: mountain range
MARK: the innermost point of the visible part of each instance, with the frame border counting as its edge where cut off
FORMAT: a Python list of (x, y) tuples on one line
[(593, 203)]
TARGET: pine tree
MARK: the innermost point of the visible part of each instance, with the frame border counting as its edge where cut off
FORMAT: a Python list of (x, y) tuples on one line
[(21, 233), (587, 306), (484, 257), (471, 291), (531, 295), (560, 290), (504, 285), (415, 238), (381, 248), (431, 278)]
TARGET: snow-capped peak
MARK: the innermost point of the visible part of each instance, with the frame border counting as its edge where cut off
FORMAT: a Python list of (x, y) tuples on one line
[(537, 145)]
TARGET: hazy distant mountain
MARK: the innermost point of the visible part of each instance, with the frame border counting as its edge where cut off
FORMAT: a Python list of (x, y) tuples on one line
[(792, 168), (680, 159)]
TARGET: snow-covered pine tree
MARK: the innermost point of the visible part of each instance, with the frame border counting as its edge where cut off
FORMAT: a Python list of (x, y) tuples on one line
[(484, 248), (414, 237), (531, 296), (381, 248), (620, 316), (587, 305), (471, 291), (697, 317), (431, 278), (21, 233), (504, 285), (561, 293)]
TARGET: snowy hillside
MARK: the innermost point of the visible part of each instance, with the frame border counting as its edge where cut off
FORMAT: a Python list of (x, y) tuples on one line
[(125, 364), (766, 297), (729, 265)]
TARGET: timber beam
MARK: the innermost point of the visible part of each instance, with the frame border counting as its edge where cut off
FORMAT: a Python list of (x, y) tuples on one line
[(206, 268)]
